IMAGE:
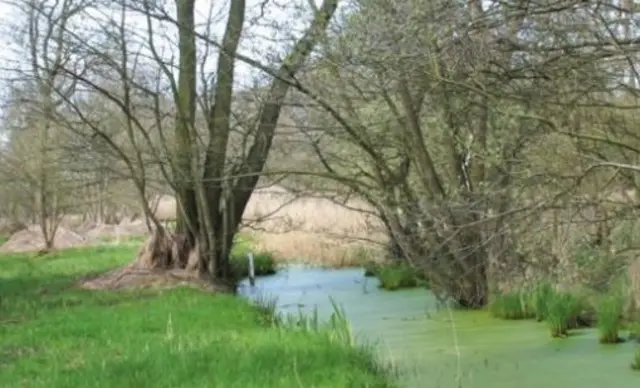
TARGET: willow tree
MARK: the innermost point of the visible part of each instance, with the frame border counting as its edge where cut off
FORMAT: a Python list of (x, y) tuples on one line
[(212, 186), (442, 115)]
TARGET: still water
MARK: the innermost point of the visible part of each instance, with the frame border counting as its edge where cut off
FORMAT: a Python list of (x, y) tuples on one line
[(439, 348)]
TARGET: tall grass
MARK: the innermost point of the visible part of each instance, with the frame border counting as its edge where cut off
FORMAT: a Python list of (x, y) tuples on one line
[(635, 363), (539, 300), (609, 309), (562, 311), (511, 305), (396, 276)]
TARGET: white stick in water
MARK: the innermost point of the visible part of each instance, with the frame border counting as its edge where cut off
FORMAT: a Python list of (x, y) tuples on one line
[(252, 271)]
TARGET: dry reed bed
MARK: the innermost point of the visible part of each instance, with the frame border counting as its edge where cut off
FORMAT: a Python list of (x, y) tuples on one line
[(313, 230)]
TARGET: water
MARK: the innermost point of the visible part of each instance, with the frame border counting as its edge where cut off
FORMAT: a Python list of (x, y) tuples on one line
[(438, 348)]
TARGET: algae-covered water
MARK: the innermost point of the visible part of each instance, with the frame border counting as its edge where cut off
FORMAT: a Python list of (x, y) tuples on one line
[(439, 348)]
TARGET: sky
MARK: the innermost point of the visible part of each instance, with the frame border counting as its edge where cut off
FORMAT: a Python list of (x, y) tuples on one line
[(270, 27), (281, 22)]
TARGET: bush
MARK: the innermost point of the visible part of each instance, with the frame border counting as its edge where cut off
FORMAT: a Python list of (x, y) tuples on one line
[(511, 305), (263, 264), (608, 315), (562, 312), (398, 276)]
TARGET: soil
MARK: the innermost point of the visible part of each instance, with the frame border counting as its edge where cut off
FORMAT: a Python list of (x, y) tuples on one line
[(132, 277)]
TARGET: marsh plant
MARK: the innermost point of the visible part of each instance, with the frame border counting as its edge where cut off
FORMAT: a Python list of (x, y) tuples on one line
[(511, 305), (635, 363), (263, 264), (396, 276), (609, 311), (540, 299), (634, 331), (337, 328), (371, 268), (562, 311)]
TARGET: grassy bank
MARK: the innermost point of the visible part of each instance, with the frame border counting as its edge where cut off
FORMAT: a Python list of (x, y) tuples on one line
[(52, 335)]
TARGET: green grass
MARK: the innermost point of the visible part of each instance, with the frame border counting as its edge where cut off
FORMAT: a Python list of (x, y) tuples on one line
[(635, 363), (609, 310), (398, 276), (539, 300), (52, 335), (512, 305), (562, 311), (263, 262)]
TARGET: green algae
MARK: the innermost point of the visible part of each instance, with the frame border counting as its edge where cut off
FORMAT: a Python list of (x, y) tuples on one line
[(434, 347)]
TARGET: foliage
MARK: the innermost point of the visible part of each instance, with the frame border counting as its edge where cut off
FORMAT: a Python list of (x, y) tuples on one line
[(70, 336), (598, 268), (263, 264), (539, 299), (562, 312), (371, 268), (635, 364), (609, 311), (512, 305), (634, 331), (396, 276)]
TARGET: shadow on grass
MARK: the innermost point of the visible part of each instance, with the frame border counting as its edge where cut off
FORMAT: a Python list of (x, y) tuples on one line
[(23, 299), (34, 285)]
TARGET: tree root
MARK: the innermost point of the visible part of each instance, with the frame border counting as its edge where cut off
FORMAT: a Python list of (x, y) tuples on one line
[(165, 260)]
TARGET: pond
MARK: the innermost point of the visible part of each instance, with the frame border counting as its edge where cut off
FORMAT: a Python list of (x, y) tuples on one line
[(439, 348)]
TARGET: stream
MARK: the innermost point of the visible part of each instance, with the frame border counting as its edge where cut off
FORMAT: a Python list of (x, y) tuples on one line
[(440, 348)]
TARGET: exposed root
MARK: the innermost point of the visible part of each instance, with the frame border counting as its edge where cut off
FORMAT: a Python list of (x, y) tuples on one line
[(165, 260), (164, 250)]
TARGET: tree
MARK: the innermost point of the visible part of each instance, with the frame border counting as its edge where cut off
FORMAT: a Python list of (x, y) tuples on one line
[(446, 119), (211, 187), (36, 135)]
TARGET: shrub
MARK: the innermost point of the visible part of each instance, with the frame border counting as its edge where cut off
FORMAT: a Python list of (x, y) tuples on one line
[(398, 276), (511, 305), (562, 311), (608, 314)]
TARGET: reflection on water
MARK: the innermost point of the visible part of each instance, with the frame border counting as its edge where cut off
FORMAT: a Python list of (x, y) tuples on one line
[(443, 349)]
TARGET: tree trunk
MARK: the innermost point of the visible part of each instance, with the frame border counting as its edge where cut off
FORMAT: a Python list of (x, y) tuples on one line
[(209, 203)]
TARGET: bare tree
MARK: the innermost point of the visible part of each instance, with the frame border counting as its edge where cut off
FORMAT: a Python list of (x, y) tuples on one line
[(212, 188), (448, 120), (36, 139)]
